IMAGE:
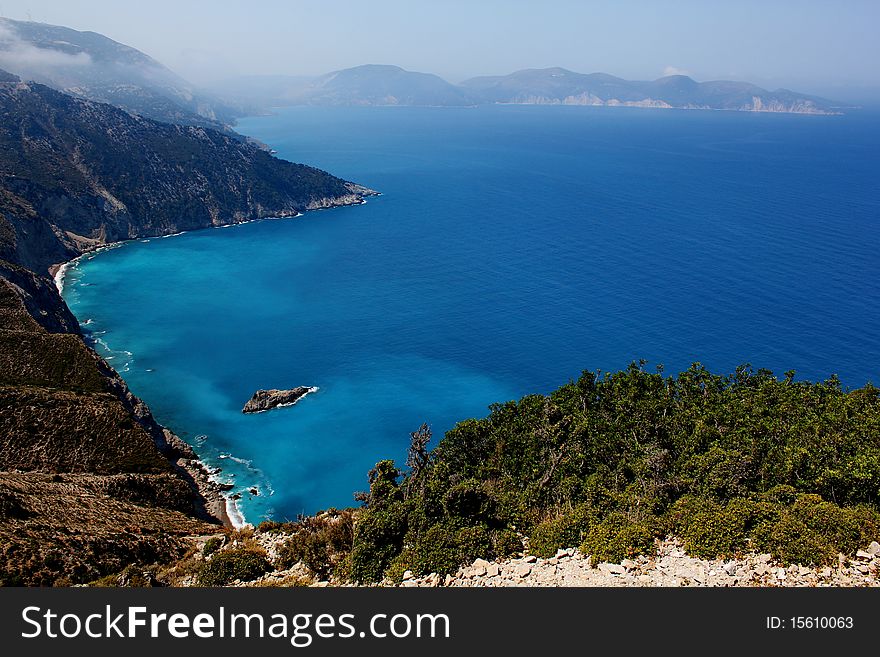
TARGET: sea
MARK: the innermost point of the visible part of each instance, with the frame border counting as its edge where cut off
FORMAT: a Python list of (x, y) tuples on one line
[(511, 248)]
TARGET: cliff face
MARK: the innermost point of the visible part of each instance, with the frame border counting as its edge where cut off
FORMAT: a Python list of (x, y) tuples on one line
[(89, 482), (76, 174)]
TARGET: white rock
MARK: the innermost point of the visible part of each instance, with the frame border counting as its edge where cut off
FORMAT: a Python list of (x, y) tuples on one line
[(628, 564), (407, 574), (780, 574), (861, 554), (522, 570), (874, 547), (492, 570), (530, 559), (612, 568)]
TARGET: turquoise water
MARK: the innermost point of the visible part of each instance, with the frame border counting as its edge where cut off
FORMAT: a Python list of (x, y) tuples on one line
[(512, 247)]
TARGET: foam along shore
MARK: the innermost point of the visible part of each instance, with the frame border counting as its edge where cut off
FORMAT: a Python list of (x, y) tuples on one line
[(59, 271)]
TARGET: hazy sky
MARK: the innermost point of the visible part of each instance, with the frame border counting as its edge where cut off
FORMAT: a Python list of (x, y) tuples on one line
[(807, 45)]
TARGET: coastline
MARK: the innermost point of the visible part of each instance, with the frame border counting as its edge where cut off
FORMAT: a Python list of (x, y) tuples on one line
[(217, 504)]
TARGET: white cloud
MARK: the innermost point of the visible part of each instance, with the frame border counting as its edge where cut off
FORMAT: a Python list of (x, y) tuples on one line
[(27, 60), (674, 70)]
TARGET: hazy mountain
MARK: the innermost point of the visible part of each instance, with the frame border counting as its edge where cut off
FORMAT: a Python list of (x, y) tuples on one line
[(374, 84), (95, 67), (558, 86), (392, 85)]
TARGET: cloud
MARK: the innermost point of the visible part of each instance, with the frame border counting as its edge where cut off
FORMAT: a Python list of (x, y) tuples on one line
[(674, 70), (28, 60)]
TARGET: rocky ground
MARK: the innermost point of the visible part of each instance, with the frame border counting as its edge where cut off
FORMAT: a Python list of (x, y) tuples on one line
[(670, 567)]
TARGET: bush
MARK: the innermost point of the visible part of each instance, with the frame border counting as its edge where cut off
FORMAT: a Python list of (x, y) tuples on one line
[(271, 526), (243, 563), (564, 531), (711, 529), (378, 538), (437, 551), (211, 546), (473, 543), (469, 502), (617, 538), (398, 566), (320, 542), (813, 531), (506, 543), (802, 529)]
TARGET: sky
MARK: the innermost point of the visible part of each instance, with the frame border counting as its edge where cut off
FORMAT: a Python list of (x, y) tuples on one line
[(807, 45)]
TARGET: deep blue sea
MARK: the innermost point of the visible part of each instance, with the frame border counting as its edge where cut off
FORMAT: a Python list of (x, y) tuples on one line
[(512, 247)]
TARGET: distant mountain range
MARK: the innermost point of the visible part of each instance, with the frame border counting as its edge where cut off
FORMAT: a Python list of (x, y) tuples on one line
[(97, 68), (392, 85), (92, 66)]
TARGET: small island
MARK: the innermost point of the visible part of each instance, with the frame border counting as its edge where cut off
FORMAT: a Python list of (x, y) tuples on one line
[(266, 400)]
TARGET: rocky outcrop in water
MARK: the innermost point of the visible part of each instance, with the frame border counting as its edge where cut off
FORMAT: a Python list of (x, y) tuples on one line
[(266, 400)]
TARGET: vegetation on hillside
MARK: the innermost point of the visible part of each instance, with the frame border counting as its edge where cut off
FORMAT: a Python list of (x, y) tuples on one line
[(611, 462)]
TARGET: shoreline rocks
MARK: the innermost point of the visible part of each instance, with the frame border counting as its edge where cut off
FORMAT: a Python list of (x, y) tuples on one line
[(266, 400)]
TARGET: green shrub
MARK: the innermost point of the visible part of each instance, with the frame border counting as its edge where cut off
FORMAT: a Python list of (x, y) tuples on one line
[(717, 530), (239, 563), (320, 542), (813, 531), (398, 566), (437, 551), (211, 546), (720, 473), (564, 531), (469, 502), (618, 537), (506, 543), (473, 543), (378, 538)]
